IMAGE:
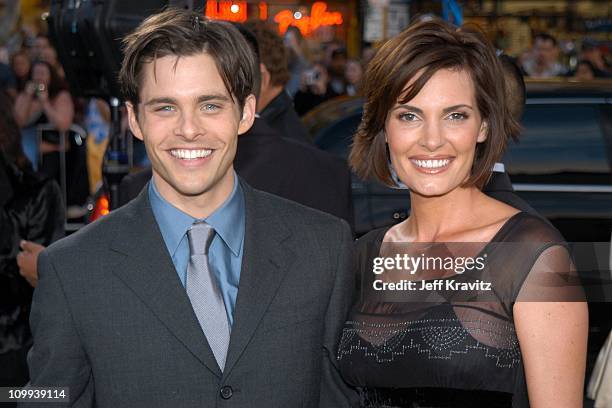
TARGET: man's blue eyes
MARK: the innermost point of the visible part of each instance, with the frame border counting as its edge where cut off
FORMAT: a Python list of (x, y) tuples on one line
[(207, 107), (210, 107)]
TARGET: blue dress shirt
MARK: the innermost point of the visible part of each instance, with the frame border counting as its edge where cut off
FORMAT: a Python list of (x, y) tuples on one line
[(225, 252)]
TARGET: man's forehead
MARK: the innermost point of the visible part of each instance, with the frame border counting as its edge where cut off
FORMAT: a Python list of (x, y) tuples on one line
[(199, 72)]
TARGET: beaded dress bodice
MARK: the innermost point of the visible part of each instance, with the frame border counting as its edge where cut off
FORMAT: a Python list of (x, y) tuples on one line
[(449, 349)]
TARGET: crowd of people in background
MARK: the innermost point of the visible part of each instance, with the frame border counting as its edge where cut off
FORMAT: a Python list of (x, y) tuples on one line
[(543, 60), (295, 72), (295, 79), (33, 76)]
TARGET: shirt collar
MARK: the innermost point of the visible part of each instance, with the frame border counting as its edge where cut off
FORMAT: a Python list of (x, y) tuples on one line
[(228, 220)]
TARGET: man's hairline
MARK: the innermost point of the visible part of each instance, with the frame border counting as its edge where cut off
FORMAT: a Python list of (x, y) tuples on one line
[(137, 103)]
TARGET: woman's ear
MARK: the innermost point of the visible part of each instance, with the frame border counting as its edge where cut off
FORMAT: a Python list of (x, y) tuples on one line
[(483, 132)]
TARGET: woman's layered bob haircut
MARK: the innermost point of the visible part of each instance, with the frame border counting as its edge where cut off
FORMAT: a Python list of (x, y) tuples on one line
[(416, 55)]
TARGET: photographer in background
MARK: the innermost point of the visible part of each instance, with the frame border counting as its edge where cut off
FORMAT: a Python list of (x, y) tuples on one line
[(45, 99), (314, 89)]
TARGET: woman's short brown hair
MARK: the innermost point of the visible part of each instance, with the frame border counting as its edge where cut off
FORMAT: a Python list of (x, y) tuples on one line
[(185, 33), (416, 55)]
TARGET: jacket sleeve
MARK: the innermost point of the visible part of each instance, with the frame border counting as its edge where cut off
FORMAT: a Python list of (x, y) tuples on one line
[(45, 215), (335, 393), (57, 358)]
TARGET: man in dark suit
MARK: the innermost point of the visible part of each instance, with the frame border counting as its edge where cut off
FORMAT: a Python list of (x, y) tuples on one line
[(274, 104), (278, 165), (201, 292)]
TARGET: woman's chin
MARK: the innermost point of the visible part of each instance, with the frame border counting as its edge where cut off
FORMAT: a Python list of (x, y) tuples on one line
[(430, 190)]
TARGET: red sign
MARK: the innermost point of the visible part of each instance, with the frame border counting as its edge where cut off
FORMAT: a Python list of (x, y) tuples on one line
[(237, 11), (227, 10), (319, 16)]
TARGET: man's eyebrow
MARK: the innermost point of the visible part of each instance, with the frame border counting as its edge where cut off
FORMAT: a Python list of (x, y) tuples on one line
[(213, 97), (156, 101), (200, 99)]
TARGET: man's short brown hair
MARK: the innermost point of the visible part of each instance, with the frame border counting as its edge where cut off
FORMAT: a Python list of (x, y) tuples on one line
[(416, 55), (185, 33), (272, 52)]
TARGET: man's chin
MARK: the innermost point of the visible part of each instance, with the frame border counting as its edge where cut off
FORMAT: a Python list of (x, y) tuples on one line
[(192, 191)]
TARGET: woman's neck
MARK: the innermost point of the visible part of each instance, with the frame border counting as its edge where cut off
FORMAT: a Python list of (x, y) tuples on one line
[(437, 218)]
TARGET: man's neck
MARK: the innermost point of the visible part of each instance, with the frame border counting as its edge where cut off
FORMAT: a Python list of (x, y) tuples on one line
[(267, 95), (197, 206)]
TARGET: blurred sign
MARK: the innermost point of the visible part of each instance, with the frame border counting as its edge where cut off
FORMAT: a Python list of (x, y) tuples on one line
[(227, 10), (307, 24), (385, 22)]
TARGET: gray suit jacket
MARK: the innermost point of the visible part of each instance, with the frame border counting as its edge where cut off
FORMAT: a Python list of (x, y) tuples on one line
[(112, 321)]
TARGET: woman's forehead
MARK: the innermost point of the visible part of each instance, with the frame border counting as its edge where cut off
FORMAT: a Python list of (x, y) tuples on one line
[(445, 82)]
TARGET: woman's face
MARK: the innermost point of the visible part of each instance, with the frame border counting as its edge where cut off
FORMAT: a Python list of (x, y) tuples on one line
[(432, 138), (21, 65), (353, 72), (41, 74), (49, 55)]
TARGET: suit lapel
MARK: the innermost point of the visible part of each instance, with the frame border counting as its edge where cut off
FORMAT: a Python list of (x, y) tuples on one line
[(265, 261), (147, 269)]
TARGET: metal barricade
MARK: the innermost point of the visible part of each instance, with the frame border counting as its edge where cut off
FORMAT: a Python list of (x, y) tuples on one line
[(80, 134)]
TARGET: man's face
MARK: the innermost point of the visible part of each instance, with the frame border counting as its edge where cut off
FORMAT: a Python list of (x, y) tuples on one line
[(189, 124), (546, 52)]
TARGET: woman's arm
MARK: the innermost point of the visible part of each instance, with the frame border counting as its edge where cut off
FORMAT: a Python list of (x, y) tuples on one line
[(59, 111), (553, 338)]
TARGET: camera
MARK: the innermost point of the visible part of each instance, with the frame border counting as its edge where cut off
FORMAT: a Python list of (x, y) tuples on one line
[(39, 88), (312, 76)]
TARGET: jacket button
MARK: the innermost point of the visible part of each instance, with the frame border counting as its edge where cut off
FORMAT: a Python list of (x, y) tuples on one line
[(226, 392)]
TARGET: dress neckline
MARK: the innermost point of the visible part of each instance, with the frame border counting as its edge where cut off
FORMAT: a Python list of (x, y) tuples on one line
[(498, 235)]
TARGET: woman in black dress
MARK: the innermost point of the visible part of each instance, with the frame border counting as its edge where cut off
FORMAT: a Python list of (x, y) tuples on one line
[(509, 327)]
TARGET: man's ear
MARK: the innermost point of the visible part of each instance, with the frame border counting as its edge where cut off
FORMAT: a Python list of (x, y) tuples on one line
[(133, 121), (483, 132), (248, 114)]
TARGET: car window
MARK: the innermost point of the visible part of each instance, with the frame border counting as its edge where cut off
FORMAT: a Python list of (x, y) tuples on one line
[(559, 139), (337, 137)]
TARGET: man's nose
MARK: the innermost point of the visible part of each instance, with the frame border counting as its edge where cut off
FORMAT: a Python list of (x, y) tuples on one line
[(189, 126)]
